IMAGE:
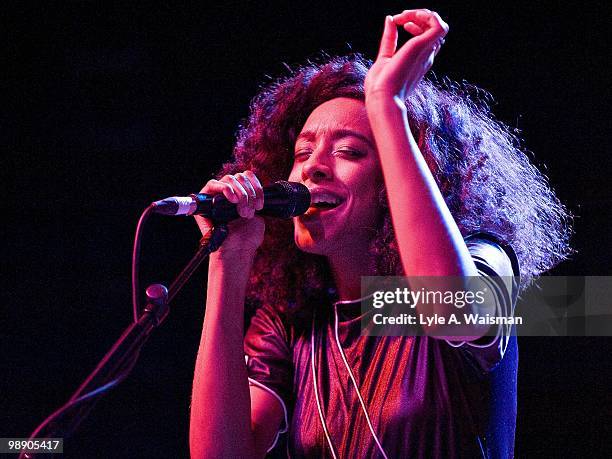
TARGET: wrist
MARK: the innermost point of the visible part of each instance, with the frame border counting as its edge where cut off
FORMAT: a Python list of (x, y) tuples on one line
[(383, 102), (234, 257), (382, 94), (229, 273), (386, 113)]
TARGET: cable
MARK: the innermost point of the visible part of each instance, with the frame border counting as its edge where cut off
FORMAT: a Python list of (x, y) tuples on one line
[(353, 379), (316, 389), (136, 262), (123, 370), (314, 379)]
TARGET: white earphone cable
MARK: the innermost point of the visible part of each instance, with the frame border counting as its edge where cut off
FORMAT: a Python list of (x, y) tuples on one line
[(316, 390), (355, 382)]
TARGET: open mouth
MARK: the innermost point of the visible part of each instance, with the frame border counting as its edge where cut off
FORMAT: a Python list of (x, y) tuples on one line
[(323, 202), (325, 205)]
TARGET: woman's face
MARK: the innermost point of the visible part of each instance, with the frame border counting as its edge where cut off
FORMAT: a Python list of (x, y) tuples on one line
[(336, 158)]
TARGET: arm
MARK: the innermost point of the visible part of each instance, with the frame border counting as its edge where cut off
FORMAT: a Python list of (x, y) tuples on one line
[(229, 419), (430, 243)]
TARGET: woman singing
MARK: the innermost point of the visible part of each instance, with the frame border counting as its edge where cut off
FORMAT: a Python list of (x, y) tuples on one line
[(407, 178)]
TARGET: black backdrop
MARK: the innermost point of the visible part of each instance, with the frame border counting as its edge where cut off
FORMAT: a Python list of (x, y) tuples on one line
[(110, 106)]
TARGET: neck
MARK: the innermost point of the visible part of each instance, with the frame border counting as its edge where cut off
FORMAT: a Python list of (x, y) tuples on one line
[(347, 268)]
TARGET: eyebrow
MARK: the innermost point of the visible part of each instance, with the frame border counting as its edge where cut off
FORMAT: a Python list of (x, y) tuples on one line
[(336, 134)]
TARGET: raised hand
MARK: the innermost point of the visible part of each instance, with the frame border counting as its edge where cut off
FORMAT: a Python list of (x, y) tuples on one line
[(396, 72)]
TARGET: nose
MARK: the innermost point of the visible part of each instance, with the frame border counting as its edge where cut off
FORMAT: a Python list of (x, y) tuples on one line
[(316, 168)]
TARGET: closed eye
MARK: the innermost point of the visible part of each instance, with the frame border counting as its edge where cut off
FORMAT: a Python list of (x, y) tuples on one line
[(350, 152), (301, 155)]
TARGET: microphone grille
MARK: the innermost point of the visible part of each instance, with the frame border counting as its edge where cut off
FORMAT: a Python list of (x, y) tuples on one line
[(298, 198)]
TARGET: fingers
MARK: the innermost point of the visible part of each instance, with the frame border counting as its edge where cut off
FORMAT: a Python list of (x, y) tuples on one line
[(425, 19), (425, 24), (257, 188), (412, 28), (243, 195), (246, 206), (388, 43), (429, 30), (242, 189), (218, 187)]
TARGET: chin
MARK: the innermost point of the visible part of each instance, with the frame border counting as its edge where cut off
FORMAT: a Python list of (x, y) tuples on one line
[(308, 242)]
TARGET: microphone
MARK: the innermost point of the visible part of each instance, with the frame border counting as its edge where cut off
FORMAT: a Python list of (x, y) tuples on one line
[(282, 200)]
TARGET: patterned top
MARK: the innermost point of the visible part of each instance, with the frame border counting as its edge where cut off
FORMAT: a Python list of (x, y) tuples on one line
[(418, 397)]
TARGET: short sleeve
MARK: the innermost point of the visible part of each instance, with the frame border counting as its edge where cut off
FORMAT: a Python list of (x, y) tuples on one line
[(268, 358), (498, 264)]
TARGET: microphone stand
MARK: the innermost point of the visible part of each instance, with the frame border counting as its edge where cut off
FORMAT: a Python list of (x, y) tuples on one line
[(121, 358)]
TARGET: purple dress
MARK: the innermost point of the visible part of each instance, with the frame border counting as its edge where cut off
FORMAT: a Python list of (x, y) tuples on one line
[(423, 397)]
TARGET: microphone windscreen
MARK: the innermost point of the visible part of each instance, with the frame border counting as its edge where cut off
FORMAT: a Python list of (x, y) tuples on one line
[(295, 199)]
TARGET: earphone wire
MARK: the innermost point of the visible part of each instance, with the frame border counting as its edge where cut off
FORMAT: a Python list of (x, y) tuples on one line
[(353, 378), (316, 390)]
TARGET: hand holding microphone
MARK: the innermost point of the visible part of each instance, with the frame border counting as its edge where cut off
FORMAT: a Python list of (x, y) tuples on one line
[(235, 196), (282, 199), (246, 193)]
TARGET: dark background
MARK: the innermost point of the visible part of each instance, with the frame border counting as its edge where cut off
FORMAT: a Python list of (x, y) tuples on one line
[(107, 107)]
